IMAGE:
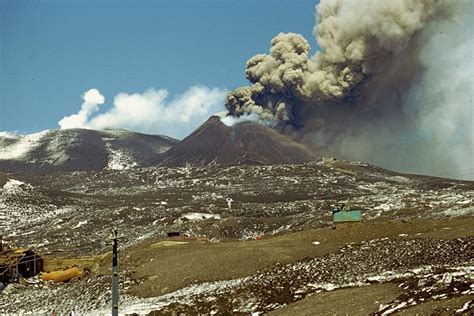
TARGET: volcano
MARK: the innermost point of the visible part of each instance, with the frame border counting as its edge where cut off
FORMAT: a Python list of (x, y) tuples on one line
[(242, 144)]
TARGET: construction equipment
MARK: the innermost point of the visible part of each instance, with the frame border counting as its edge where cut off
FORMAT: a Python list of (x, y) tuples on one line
[(19, 262)]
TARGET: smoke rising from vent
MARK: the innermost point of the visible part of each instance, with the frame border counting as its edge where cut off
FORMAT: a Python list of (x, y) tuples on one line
[(149, 112), (92, 99), (390, 86)]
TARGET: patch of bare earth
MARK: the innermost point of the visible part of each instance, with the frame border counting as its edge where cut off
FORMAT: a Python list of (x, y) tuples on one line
[(167, 269), (362, 300)]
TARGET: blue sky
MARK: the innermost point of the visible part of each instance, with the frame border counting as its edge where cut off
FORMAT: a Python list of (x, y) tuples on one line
[(52, 52)]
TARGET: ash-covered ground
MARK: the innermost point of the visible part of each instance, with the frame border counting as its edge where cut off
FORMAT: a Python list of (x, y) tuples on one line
[(75, 212), (71, 215), (423, 269)]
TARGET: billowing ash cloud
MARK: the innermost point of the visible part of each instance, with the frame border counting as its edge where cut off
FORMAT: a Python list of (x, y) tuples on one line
[(391, 84), (150, 112)]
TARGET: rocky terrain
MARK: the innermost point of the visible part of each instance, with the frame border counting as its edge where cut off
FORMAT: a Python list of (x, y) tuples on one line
[(71, 214), (423, 269), (76, 211), (241, 216)]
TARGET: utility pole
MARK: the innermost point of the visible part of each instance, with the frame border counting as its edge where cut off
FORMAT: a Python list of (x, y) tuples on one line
[(115, 292)]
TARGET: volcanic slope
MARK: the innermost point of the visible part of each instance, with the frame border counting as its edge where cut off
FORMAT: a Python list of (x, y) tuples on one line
[(219, 202), (414, 229), (242, 144), (79, 150)]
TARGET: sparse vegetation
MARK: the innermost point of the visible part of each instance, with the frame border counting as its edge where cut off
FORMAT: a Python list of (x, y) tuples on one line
[(68, 218)]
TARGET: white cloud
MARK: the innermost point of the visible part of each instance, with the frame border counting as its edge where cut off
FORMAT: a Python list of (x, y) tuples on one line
[(92, 99), (153, 112)]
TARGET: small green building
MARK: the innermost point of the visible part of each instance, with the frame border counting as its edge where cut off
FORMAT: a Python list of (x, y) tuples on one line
[(343, 214)]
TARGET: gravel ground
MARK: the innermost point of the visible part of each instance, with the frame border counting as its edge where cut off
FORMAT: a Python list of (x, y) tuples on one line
[(427, 269), (74, 212)]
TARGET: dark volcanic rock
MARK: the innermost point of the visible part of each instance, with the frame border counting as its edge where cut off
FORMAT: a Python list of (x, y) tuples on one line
[(245, 143)]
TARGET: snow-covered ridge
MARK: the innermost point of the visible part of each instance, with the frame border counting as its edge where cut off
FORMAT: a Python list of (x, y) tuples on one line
[(22, 145), (9, 135), (79, 150)]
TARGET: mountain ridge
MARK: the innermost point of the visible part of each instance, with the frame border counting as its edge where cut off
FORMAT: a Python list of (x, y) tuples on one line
[(80, 150), (211, 143)]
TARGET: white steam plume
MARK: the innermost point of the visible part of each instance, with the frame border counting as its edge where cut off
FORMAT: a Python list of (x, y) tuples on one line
[(92, 99), (152, 111), (251, 117)]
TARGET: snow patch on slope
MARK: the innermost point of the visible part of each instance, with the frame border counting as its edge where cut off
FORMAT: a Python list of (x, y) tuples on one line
[(119, 159), (199, 216), (459, 212), (22, 146), (143, 306), (15, 186)]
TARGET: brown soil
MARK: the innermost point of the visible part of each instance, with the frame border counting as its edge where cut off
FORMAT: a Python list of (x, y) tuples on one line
[(165, 269), (83, 263), (362, 300)]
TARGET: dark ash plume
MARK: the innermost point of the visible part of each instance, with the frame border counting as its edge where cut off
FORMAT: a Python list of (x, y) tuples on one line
[(368, 94)]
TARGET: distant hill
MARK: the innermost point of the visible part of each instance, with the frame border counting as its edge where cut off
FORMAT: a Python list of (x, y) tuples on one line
[(80, 149), (246, 143)]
